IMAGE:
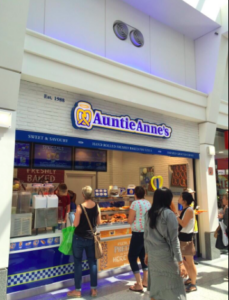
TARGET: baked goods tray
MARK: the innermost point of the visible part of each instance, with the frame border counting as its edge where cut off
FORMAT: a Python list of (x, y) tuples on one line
[(113, 224), (113, 212), (108, 199)]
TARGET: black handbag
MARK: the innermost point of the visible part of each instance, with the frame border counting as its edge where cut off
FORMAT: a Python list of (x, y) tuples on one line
[(219, 242)]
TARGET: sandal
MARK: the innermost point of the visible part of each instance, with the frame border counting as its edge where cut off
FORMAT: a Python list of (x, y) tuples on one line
[(190, 290), (188, 281), (74, 294), (133, 289)]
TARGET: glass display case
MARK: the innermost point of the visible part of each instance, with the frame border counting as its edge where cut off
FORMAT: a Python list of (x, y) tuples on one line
[(114, 211)]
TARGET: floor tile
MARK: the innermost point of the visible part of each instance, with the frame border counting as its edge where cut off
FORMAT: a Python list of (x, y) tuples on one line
[(212, 285)]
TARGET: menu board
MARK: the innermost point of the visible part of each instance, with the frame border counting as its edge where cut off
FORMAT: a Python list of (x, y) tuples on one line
[(52, 157), (22, 155), (90, 160)]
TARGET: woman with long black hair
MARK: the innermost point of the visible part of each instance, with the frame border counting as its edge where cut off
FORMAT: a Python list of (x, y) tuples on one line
[(187, 224), (163, 255)]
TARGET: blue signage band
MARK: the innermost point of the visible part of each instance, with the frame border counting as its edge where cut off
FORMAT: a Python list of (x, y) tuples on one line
[(45, 138)]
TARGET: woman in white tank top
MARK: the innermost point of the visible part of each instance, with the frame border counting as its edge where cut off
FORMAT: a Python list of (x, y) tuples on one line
[(187, 223)]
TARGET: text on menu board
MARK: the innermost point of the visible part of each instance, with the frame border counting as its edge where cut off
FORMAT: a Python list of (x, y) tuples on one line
[(90, 160), (52, 157), (22, 155)]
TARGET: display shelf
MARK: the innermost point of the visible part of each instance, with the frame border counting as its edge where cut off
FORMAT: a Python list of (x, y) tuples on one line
[(109, 199), (109, 225), (112, 212)]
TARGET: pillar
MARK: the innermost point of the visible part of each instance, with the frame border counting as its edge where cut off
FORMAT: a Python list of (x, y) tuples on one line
[(206, 181), (13, 19), (207, 192)]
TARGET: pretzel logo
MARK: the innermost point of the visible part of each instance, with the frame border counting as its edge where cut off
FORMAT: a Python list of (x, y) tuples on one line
[(83, 115)]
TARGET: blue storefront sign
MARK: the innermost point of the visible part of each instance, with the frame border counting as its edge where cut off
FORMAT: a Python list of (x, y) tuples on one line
[(46, 138)]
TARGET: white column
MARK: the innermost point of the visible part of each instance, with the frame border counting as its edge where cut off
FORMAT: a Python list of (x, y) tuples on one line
[(207, 192), (206, 183), (13, 19)]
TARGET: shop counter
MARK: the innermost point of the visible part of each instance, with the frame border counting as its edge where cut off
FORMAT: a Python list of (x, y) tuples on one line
[(35, 260)]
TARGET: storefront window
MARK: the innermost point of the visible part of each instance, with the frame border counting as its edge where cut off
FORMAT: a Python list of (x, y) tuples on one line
[(221, 165), (48, 180)]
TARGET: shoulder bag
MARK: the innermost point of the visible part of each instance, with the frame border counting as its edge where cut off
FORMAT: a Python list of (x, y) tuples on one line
[(98, 245), (217, 232)]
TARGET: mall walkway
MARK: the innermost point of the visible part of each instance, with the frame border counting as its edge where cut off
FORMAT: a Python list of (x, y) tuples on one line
[(212, 284)]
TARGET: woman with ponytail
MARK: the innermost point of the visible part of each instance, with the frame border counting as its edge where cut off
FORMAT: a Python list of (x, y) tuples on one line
[(163, 255), (187, 223)]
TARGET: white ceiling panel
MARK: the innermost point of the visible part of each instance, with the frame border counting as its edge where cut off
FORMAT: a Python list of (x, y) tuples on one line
[(178, 15)]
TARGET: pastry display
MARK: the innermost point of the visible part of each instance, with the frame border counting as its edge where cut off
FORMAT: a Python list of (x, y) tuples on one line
[(114, 208), (113, 219), (109, 209)]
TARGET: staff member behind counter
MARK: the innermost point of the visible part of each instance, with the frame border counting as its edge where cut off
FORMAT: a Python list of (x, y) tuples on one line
[(64, 200)]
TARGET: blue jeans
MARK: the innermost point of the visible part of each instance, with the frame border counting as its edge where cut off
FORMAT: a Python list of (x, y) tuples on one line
[(79, 245)]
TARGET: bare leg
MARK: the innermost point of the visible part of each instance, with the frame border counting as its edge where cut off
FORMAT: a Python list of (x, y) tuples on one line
[(94, 293), (145, 278), (191, 268), (139, 285)]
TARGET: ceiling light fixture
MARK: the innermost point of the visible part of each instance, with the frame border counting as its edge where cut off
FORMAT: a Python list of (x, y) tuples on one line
[(5, 119)]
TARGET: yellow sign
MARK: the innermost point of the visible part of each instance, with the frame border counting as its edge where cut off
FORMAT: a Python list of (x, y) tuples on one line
[(160, 178), (115, 254)]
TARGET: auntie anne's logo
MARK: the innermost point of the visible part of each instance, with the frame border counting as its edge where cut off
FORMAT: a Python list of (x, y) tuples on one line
[(86, 118), (83, 115)]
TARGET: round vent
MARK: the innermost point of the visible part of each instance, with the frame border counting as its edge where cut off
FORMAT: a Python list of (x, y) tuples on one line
[(137, 38), (121, 30)]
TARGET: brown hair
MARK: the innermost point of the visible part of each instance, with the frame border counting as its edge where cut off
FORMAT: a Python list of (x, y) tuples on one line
[(63, 187), (226, 196), (72, 196)]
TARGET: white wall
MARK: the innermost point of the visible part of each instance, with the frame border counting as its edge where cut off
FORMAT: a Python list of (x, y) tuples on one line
[(207, 49), (11, 35), (225, 87), (89, 25), (132, 162), (77, 22), (7, 146), (123, 51), (36, 16), (172, 55), (124, 169), (41, 115), (13, 16)]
